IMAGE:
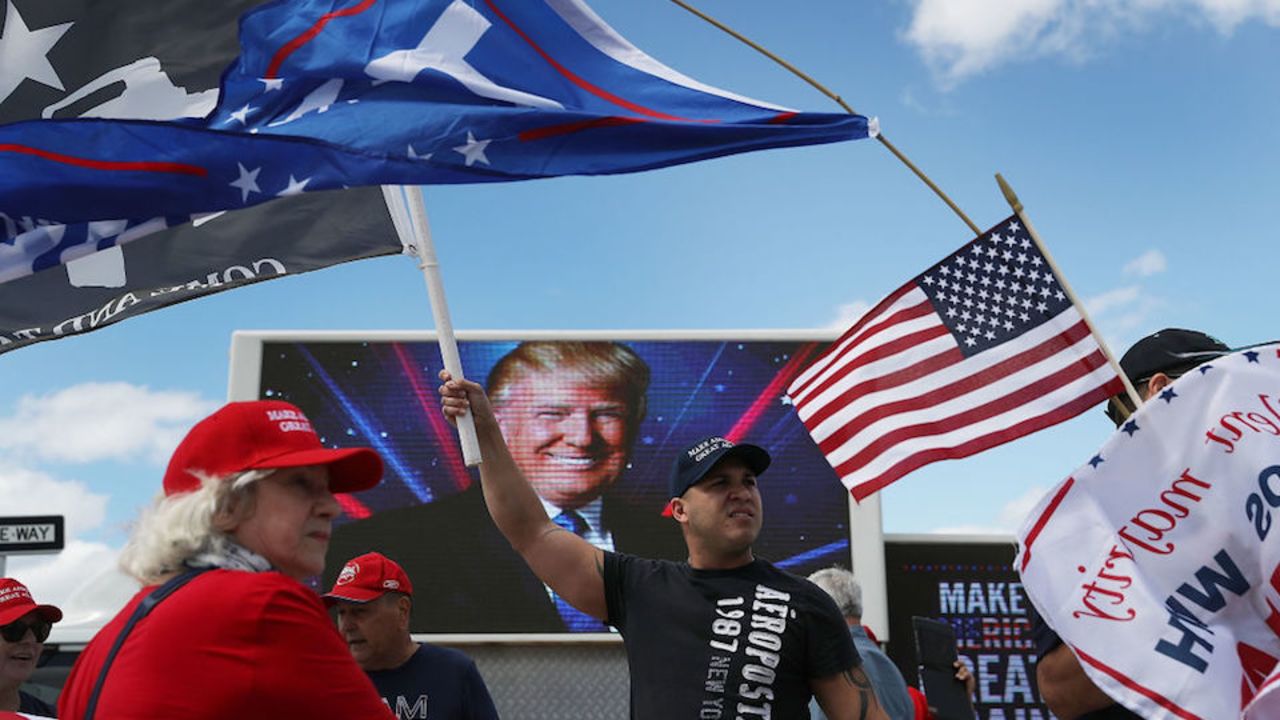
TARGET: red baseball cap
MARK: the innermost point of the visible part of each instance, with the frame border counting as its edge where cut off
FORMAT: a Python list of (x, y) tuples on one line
[(15, 602), (366, 578), (265, 435)]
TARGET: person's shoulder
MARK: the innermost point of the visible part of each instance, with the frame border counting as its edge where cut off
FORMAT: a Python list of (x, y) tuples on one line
[(238, 588), (644, 565), (245, 580), (784, 578), (794, 585), (438, 655)]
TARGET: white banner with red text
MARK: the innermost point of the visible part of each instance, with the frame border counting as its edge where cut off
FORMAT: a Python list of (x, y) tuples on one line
[(1158, 560)]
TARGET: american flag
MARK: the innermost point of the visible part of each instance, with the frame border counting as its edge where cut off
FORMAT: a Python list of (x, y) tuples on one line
[(980, 349)]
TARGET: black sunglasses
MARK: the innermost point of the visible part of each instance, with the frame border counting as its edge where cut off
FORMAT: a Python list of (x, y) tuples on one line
[(15, 631)]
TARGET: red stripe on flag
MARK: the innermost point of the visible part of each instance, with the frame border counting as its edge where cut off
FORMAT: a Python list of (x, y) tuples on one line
[(887, 350), (580, 82), (986, 442), (453, 461), (970, 383), (833, 355), (893, 347), (770, 394), (119, 165), (1128, 682), (982, 286), (570, 128), (1038, 387), (292, 46), (911, 373), (782, 118), (352, 507), (1043, 520)]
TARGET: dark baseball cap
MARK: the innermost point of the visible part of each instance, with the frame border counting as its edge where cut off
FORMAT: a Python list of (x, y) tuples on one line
[(698, 459), (1172, 351)]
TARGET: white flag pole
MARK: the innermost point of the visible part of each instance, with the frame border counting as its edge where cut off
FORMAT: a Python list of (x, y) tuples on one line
[(1016, 204), (409, 214)]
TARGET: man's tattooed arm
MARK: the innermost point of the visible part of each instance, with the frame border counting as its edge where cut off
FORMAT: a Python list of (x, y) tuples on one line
[(857, 678)]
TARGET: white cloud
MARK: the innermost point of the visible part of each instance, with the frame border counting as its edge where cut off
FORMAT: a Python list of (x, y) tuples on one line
[(1121, 311), (1112, 300), (848, 313), (1147, 264), (1007, 520), (81, 579), (961, 38), (99, 421), (27, 492)]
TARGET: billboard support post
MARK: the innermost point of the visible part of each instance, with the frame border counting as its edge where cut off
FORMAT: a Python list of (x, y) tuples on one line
[(409, 214), (866, 545)]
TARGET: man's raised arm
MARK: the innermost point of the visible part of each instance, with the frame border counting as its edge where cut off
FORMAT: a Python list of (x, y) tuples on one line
[(568, 564)]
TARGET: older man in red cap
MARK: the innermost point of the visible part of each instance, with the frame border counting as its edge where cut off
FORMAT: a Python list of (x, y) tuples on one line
[(374, 598), (24, 626)]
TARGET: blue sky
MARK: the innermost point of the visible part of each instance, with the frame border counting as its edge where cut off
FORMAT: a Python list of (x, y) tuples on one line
[(1143, 138)]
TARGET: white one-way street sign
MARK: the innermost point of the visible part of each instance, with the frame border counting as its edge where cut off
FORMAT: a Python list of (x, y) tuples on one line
[(31, 534)]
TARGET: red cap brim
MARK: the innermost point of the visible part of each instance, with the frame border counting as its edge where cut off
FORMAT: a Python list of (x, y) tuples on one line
[(351, 594), (350, 469), (46, 612)]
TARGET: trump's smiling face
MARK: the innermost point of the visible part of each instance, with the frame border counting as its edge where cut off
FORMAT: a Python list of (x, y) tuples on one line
[(568, 431)]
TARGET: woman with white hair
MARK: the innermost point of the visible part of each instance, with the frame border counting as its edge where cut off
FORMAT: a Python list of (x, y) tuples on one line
[(224, 627), (24, 626)]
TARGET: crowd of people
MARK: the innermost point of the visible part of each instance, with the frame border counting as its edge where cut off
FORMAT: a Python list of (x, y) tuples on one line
[(224, 625)]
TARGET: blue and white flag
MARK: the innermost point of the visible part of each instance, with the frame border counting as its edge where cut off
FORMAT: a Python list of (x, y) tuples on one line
[(330, 94)]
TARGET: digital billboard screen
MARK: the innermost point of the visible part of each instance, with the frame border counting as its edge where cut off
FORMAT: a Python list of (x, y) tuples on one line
[(972, 586), (593, 422)]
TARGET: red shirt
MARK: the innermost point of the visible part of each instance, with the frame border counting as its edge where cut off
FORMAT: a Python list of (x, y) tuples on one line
[(920, 705), (230, 644)]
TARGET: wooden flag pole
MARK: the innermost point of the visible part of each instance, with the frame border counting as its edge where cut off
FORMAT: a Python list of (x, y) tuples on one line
[(840, 101), (409, 214), (1016, 204)]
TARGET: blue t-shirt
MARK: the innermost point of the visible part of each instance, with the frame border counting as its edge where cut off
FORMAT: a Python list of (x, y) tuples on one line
[(435, 683)]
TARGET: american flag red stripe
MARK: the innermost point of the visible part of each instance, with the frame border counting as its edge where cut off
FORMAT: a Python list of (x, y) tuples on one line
[(981, 349), (932, 392)]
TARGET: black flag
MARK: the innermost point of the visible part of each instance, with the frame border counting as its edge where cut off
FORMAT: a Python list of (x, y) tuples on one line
[(156, 60)]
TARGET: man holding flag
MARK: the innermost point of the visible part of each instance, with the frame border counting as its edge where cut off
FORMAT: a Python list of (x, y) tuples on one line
[(724, 634)]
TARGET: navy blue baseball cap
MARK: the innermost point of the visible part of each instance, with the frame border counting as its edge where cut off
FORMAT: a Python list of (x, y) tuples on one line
[(698, 459)]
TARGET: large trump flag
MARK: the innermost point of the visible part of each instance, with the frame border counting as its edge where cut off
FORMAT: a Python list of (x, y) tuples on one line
[(328, 95), (84, 58), (1155, 560)]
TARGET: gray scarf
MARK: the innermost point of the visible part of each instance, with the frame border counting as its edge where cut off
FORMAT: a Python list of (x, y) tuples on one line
[(233, 557)]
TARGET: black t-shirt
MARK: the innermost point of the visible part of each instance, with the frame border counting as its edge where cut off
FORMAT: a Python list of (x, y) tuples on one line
[(435, 683), (723, 643)]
